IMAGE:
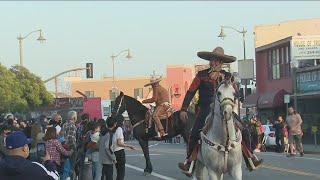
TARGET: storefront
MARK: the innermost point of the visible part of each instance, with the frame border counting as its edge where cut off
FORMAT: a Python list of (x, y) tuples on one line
[(308, 99), (271, 105)]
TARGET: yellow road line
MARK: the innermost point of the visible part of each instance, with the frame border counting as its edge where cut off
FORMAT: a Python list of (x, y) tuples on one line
[(292, 171), (302, 173)]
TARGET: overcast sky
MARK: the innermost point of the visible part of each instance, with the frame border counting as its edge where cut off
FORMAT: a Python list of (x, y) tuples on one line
[(157, 33)]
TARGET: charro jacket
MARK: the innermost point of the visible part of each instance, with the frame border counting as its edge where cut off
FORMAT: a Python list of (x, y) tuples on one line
[(206, 87)]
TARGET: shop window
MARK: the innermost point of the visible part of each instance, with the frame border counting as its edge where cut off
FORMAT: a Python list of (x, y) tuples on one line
[(89, 94), (269, 66), (275, 64)]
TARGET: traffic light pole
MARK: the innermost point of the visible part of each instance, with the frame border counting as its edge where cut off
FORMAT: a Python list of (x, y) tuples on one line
[(62, 73), (55, 77)]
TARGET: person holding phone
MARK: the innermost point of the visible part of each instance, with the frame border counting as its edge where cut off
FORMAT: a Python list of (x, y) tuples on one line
[(16, 166), (54, 147)]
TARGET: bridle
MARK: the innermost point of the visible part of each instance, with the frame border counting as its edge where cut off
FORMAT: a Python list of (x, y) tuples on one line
[(119, 106), (229, 145), (225, 101)]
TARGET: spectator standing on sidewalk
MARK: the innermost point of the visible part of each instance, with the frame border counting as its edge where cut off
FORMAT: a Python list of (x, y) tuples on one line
[(69, 129), (93, 151), (294, 122), (118, 148), (106, 154), (55, 148), (4, 132), (279, 131), (16, 166)]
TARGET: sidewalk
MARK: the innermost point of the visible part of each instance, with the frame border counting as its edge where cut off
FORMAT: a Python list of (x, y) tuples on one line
[(311, 149)]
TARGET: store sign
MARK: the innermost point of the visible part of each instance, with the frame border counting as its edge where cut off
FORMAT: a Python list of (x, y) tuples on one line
[(305, 47), (286, 98), (314, 129), (308, 81)]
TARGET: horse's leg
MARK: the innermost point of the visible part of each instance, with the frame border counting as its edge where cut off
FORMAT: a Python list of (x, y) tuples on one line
[(236, 172), (199, 170), (214, 175), (145, 148)]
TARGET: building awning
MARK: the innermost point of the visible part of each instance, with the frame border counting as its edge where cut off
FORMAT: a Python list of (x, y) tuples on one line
[(272, 99), (308, 95), (251, 101)]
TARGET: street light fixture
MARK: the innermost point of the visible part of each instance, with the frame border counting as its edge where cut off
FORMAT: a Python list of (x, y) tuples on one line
[(222, 35), (41, 39), (128, 56)]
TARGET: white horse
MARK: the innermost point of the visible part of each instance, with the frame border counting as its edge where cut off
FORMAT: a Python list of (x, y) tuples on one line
[(220, 150)]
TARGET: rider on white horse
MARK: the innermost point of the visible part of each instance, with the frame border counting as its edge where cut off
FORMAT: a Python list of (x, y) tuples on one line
[(206, 81)]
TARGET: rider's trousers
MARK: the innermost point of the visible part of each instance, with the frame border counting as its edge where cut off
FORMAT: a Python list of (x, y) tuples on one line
[(158, 112), (201, 115)]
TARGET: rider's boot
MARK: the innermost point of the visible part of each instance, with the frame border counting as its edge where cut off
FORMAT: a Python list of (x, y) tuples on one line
[(257, 162), (163, 134), (188, 166)]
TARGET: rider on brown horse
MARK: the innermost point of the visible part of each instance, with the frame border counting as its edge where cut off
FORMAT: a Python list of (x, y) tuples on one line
[(206, 81), (161, 97)]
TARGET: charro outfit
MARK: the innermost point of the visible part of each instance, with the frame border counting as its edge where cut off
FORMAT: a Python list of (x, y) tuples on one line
[(161, 98), (206, 82)]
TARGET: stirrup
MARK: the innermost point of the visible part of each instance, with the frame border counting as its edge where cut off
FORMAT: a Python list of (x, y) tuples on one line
[(251, 164), (189, 172)]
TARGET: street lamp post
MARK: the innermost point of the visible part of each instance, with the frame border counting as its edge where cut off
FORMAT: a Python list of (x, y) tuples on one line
[(113, 60), (41, 39), (222, 35), (294, 66)]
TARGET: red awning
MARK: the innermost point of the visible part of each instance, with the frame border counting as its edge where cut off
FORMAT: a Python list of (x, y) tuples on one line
[(251, 101), (272, 99)]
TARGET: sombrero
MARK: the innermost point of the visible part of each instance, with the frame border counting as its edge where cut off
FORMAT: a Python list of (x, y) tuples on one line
[(153, 80), (216, 54)]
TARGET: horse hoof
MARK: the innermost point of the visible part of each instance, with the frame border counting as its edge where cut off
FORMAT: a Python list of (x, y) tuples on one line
[(146, 174)]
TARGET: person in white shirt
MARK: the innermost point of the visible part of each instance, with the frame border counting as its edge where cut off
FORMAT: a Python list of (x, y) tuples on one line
[(118, 148)]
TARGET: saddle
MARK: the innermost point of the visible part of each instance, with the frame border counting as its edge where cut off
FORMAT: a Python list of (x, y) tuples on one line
[(149, 121)]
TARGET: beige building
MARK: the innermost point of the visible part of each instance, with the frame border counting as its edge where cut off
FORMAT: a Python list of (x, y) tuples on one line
[(267, 34), (102, 87)]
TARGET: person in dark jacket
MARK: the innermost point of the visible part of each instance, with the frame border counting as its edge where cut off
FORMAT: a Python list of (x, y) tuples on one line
[(205, 82), (15, 166), (278, 126)]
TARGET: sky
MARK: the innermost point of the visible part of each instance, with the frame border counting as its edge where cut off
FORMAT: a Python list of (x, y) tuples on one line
[(158, 33)]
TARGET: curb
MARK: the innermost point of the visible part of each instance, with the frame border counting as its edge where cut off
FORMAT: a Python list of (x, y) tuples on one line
[(312, 152)]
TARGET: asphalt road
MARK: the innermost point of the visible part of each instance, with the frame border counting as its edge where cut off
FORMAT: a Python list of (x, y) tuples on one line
[(165, 158)]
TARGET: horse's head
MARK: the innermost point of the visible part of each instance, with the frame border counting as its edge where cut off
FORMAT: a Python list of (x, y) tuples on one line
[(119, 105), (226, 96)]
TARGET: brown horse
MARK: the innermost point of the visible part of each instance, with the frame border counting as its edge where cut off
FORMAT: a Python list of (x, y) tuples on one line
[(137, 115)]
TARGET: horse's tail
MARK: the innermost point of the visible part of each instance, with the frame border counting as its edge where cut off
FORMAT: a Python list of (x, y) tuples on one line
[(184, 128)]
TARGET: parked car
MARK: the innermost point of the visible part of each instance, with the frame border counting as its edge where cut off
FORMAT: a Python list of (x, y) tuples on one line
[(269, 139)]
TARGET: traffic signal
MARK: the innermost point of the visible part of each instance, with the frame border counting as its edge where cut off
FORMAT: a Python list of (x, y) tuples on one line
[(89, 68)]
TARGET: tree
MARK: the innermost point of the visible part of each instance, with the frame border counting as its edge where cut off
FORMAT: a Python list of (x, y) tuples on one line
[(10, 92), (32, 87)]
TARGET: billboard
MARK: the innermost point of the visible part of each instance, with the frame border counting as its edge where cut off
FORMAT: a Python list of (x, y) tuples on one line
[(305, 47)]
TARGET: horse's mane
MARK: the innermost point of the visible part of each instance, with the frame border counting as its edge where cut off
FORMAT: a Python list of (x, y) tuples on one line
[(136, 103)]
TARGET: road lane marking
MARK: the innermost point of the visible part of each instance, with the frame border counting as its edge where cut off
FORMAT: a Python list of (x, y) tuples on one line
[(302, 173), (152, 174), (141, 155), (153, 145), (276, 155)]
